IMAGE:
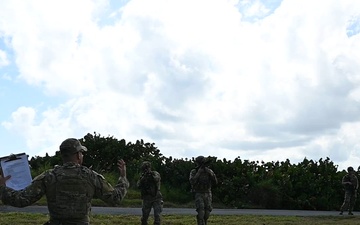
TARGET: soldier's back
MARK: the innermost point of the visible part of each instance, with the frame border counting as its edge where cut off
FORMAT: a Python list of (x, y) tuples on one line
[(69, 192)]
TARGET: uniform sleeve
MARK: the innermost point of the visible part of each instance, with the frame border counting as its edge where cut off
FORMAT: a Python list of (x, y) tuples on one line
[(156, 176), (192, 177), (343, 179), (356, 183), (109, 194), (140, 182), (25, 197), (213, 177)]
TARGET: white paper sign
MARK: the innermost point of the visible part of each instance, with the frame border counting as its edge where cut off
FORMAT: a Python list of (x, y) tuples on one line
[(17, 166)]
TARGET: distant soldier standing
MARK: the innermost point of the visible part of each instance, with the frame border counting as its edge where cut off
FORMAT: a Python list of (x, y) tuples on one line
[(149, 184), (69, 188), (201, 180), (350, 183)]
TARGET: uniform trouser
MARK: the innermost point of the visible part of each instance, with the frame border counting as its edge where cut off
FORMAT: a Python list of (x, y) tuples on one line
[(147, 205), (203, 207), (349, 201)]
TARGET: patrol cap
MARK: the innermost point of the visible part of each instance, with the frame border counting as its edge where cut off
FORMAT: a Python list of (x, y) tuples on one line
[(71, 146)]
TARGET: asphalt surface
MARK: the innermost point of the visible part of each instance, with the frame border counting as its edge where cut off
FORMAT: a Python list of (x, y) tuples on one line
[(183, 211)]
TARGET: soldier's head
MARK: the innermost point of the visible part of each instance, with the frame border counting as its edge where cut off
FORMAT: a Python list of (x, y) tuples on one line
[(146, 166), (71, 150), (350, 169), (199, 161)]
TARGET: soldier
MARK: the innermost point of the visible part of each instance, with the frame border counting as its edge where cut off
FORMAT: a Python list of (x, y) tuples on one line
[(350, 183), (149, 184), (201, 180), (69, 188)]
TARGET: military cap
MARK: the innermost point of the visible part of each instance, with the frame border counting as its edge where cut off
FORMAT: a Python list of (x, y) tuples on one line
[(71, 146), (200, 159)]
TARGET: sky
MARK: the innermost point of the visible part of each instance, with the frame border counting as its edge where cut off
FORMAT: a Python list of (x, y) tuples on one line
[(261, 80)]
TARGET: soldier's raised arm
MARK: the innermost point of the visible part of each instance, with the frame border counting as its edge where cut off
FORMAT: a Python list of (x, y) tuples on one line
[(113, 195)]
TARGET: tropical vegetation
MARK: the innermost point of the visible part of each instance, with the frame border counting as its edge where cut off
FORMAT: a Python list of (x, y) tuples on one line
[(307, 185)]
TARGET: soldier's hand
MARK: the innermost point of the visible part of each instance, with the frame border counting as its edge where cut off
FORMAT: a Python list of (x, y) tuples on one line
[(4, 179), (122, 167)]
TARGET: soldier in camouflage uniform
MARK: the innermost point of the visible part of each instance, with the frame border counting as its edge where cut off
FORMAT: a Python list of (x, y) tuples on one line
[(149, 184), (201, 180), (350, 183), (69, 188)]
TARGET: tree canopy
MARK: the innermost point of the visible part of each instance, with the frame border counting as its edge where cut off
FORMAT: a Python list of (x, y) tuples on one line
[(310, 184)]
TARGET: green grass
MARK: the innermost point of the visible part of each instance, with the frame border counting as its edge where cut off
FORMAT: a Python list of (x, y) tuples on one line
[(132, 199), (36, 219)]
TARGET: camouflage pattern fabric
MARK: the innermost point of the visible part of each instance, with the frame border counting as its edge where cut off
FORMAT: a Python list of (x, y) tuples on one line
[(66, 205), (149, 184), (147, 205), (201, 181), (203, 201), (349, 201), (352, 178), (350, 192)]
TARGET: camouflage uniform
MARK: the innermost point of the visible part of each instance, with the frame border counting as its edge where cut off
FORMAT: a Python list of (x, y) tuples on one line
[(149, 184), (350, 182), (201, 180), (65, 205), (69, 190)]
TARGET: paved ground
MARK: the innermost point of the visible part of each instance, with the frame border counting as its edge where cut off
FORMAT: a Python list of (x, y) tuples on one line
[(183, 211)]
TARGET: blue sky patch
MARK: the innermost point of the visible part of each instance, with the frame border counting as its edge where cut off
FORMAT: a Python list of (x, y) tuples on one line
[(255, 10), (353, 27), (112, 13), (4, 46)]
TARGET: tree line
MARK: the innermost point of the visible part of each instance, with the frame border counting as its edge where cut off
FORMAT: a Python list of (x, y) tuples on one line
[(308, 185)]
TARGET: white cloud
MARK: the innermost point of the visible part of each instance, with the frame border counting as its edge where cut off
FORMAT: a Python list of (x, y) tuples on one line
[(192, 76), (3, 59)]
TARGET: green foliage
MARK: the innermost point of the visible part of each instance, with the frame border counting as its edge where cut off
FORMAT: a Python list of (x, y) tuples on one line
[(175, 172), (266, 195), (314, 185), (235, 178), (176, 195), (103, 154), (39, 164), (112, 178)]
